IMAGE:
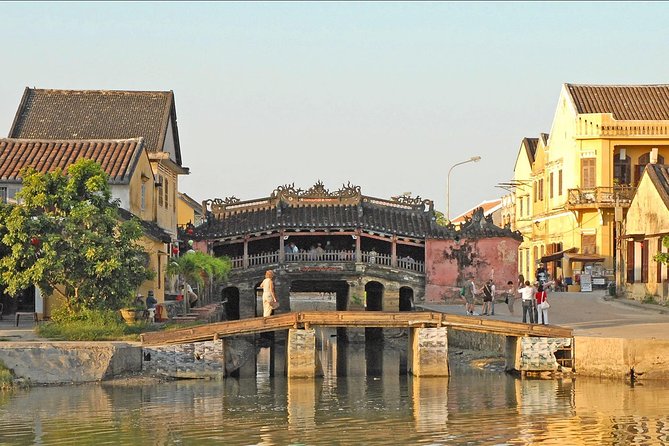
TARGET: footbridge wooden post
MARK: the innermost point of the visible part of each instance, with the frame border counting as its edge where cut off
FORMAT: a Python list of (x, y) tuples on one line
[(301, 355), (428, 351)]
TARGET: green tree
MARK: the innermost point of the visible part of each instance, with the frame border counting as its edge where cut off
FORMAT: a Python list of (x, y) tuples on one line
[(66, 237), (441, 218), (198, 268), (663, 257)]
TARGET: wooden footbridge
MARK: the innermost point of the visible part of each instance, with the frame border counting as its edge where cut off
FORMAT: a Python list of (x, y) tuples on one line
[(366, 319)]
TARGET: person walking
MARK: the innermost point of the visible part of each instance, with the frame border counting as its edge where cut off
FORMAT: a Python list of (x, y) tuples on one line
[(268, 297), (527, 296), (510, 297), (540, 297), (469, 293), (488, 299)]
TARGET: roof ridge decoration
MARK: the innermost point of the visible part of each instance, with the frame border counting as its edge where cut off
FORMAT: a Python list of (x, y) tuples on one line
[(317, 195)]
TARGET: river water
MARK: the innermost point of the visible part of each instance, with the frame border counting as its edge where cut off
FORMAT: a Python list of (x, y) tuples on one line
[(362, 399)]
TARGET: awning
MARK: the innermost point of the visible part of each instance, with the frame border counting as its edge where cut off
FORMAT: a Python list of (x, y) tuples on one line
[(586, 258), (557, 255)]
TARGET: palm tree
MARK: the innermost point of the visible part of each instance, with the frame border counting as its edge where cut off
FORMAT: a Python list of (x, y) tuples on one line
[(196, 268)]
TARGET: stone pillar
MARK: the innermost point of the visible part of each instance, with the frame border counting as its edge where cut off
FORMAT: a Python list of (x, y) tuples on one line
[(358, 252), (301, 357), (247, 302), (245, 259), (512, 354), (428, 351), (391, 300), (393, 251), (282, 253)]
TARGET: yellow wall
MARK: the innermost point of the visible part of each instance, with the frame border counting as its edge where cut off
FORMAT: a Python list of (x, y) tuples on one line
[(185, 213)]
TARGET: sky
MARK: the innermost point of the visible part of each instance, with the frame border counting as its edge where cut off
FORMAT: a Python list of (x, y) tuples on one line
[(386, 96)]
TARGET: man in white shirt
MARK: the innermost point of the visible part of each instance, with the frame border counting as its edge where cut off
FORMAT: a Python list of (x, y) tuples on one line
[(527, 296)]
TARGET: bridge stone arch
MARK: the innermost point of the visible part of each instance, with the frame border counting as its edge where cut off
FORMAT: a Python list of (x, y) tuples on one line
[(374, 295), (230, 299), (406, 298)]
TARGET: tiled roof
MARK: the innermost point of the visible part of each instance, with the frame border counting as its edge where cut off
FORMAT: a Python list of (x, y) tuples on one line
[(366, 216), (118, 158), (97, 114), (659, 175), (625, 102), (530, 145)]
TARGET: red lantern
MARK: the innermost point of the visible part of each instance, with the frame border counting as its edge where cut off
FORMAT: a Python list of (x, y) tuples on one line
[(189, 231), (175, 250), (35, 241)]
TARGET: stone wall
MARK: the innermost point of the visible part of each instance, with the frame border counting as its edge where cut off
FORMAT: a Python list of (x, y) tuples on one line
[(489, 342), (617, 357), (70, 362)]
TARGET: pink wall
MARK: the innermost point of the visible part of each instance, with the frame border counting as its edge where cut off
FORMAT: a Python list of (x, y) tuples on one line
[(447, 264)]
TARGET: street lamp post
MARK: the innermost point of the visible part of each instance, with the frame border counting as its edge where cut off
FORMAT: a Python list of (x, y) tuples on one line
[(473, 159)]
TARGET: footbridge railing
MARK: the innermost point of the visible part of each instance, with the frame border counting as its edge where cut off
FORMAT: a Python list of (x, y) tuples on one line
[(378, 319)]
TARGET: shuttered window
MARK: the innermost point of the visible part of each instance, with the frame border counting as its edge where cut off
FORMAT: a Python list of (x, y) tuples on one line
[(630, 261), (588, 173), (658, 279), (560, 182), (551, 184), (644, 261), (589, 244)]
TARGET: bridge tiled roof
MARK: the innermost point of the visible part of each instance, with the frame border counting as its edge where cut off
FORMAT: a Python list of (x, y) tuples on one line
[(369, 217), (345, 209)]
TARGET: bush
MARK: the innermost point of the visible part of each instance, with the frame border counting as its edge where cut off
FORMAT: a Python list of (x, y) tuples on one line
[(6, 377), (89, 325)]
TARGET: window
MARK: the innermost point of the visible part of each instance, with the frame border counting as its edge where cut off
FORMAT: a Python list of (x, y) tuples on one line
[(527, 208), (3, 194), (630, 261), (551, 184), (143, 197), (659, 264), (160, 191), (541, 189), (560, 182), (588, 173), (639, 168), (622, 171), (589, 243), (644, 261), (166, 188), (534, 191), (521, 207)]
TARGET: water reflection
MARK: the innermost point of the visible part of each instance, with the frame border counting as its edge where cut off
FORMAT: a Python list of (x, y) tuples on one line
[(353, 403)]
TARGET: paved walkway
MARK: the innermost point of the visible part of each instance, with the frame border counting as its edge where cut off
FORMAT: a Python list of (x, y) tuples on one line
[(589, 314)]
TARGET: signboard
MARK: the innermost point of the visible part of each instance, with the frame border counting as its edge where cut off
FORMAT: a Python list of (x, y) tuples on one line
[(586, 282), (599, 280)]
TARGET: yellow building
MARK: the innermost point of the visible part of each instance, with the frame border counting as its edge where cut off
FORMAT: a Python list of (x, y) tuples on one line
[(567, 191), (189, 211), (64, 121)]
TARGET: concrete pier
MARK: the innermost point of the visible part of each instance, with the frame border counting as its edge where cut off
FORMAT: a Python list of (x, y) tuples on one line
[(428, 352), (301, 355)]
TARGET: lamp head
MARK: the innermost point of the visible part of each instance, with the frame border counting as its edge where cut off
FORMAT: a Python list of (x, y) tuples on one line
[(475, 158)]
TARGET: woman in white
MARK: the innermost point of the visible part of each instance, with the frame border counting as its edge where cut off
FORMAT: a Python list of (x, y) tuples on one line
[(268, 296)]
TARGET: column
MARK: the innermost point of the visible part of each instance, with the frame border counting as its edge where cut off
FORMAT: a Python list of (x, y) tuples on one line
[(393, 251), (301, 357), (358, 252), (246, 252), (282, 253), (428, 352)]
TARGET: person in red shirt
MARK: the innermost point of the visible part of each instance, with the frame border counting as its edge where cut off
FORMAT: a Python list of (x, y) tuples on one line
[(542, 309)]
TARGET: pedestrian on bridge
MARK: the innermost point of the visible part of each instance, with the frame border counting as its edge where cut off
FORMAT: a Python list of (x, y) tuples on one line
[(269, 302), (527, 295)]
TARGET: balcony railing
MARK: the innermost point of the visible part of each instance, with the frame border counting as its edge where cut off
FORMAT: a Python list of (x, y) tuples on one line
[(601, 197), (372, 258)]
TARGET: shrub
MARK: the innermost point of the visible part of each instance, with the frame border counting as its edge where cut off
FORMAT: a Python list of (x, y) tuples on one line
[(89, 325)]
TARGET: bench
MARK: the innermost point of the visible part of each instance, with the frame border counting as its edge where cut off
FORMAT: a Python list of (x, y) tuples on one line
[(25, 313)]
